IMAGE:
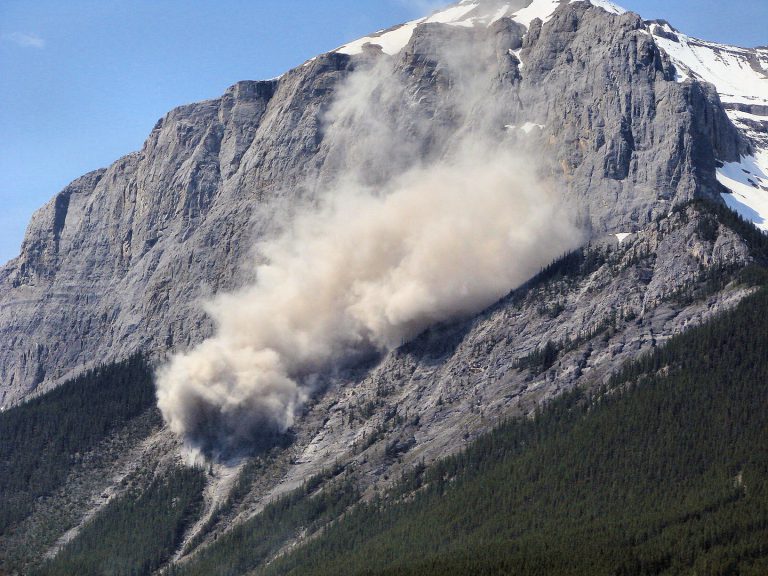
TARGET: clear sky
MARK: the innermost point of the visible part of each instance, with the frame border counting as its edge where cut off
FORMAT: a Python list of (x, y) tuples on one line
[(82, 82)]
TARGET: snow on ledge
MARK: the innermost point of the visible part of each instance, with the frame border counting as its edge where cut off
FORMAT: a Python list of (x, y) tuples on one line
[(748, 182), (528, 127), (544, 9), (607, 6), (466, 13), (621, 236), (731, 69), (390, 42), (394, 40)]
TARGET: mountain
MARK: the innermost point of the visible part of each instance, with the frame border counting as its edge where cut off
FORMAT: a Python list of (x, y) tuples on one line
[(642, 134), (171, 224)]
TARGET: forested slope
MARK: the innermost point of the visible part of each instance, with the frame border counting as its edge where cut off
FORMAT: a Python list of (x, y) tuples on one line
[(42, 438), (664, 471), (661, 471), (51, 447)]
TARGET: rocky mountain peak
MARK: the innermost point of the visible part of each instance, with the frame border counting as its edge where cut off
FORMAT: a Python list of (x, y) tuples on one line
[(120, 259)]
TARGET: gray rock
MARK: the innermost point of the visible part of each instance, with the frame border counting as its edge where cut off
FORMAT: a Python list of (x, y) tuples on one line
[(120, 260)]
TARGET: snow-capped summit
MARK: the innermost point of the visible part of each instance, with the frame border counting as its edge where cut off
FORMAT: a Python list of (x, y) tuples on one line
[(740, 74), (469, 13)]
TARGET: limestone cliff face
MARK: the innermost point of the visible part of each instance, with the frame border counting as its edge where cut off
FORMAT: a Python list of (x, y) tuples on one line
[(121, 259), (630, 141)]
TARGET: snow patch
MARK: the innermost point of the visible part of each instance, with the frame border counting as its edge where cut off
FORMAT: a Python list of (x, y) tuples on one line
[(391, 42), (748, 182), (542, 9), (621, 236), (729, 68), (453, 15), (527, 127), (466, 13), (517, 54), (607, 6), (500, 13), (754, 126), (736, 115)]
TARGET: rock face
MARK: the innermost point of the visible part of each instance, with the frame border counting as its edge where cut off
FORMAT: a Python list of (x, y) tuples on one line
[(631, 142), (121, 258)]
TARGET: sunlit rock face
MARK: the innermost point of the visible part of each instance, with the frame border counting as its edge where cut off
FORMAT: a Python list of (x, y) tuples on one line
[(123, 257)]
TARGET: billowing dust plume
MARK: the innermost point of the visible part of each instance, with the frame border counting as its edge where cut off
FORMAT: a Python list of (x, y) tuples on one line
[(379, 260)]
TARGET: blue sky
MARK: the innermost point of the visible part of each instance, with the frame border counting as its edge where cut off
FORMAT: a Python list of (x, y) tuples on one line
[(82, 82)]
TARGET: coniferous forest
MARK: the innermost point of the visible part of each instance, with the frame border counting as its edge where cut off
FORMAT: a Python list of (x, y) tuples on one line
[(137, 533), (664, 471), (42, 438)]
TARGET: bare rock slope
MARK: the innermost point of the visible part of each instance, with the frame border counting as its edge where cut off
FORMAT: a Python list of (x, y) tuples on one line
[(121, 258)]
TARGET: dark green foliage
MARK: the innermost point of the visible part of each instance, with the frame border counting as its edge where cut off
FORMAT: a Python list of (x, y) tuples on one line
[(569, 264), (707, 228), (540, 359), (250, 544), (569, 267), (44, 437), (708, 282), (136, 533), (441, 340), (755, 239), (753, 275), (242, 486), (663, 472)]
